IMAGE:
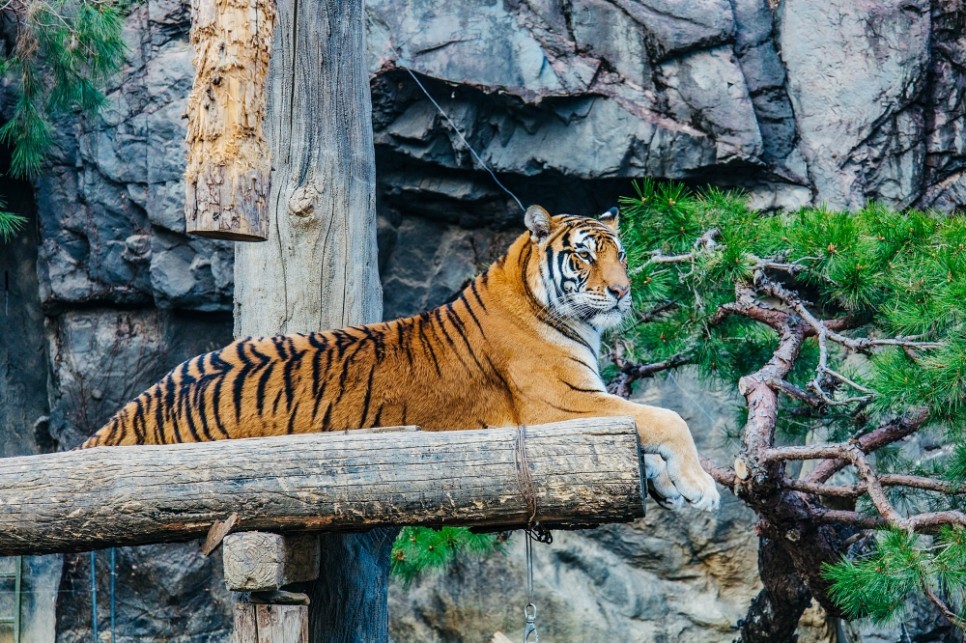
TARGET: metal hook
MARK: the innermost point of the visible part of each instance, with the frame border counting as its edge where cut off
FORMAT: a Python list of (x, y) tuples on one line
[(530, 629)]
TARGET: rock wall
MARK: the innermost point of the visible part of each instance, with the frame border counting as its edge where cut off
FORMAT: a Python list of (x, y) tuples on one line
[(794, 101)]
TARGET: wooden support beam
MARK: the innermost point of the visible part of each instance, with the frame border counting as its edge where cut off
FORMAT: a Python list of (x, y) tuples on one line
[(256, 561), (583, 471)]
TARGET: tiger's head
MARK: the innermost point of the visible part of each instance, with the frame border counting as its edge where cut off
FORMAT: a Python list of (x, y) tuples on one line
[(582, 272)]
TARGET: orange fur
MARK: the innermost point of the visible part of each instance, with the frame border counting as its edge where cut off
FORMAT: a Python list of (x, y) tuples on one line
[(518, 346)]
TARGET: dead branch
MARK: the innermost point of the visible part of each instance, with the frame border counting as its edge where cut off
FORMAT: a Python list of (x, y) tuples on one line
[(722, 475), (789, 389)]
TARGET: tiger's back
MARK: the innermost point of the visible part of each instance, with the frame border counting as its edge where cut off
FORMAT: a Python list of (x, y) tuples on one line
[(383, 374)]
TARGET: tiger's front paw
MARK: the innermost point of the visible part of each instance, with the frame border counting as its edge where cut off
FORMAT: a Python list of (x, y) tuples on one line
[(692, 482)]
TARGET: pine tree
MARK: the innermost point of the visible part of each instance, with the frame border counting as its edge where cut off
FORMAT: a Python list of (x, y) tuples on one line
[(63, 52), (850, 327)]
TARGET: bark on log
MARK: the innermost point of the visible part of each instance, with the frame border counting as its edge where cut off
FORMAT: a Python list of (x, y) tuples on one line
[(581, 471), (321, 269), (227, 177)]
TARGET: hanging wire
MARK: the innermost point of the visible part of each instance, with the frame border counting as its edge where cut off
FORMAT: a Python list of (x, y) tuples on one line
[(469, 147), (113, 595), (94, 636)]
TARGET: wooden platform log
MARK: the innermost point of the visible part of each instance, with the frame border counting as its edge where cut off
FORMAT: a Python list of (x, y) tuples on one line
[(581, 471)]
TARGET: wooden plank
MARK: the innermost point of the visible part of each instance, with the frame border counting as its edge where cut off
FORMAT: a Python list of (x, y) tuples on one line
[(257, 561), (269, 623), (244, 629), (581, 471)]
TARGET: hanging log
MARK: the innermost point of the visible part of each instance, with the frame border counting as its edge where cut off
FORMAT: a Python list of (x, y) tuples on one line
[(583, 471), (227, 178)]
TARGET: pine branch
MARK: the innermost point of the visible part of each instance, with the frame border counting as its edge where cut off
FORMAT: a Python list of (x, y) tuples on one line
[(954, 618), (926, 523), (890, 432), (722, 475), (752, 293), (747, 305), (885, 479), (797, 393)]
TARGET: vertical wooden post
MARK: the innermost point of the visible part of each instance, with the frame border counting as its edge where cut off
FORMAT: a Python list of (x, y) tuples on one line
[(256, 623), (320, 270)]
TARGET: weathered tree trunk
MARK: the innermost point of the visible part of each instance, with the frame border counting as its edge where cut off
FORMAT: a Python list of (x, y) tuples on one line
[(580, 471), (228, 173), (774, 613), (320, 268)]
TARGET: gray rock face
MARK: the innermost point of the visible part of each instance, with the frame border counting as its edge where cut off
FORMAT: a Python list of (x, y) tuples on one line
[(23, 381), (857, 72), (796, 102), (111, 208)]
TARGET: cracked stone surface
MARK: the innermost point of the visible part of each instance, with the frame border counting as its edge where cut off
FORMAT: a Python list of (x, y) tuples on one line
[(795, 102)]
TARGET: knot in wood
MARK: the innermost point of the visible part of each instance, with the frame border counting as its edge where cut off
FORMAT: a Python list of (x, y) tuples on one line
[(302, 201)]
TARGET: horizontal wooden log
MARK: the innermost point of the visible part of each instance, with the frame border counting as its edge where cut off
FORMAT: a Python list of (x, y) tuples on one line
[(581, 471)]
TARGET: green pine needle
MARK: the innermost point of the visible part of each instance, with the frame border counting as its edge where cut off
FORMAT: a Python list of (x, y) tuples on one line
[(10, 224), (66, 50), (419, 550), (891, 274)]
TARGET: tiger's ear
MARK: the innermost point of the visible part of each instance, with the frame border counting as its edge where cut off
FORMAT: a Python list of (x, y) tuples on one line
[(537, 221), (611, 219)]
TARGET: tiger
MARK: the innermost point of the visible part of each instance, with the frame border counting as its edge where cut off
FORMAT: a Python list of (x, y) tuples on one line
[(519, 345)]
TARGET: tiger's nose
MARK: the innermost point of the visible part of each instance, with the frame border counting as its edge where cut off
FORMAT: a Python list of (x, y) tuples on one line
[(619, 290)]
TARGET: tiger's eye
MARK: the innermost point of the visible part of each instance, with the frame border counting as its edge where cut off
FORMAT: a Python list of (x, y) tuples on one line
[(585, 256)]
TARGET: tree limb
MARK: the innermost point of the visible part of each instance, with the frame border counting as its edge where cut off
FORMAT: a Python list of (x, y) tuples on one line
[(722, 475), (954, 618), (892, 431), (886, 480)]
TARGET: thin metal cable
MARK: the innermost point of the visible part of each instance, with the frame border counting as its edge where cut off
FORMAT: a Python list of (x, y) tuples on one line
[(94, 636), (529, 570), (469, 147), (113, 596)]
